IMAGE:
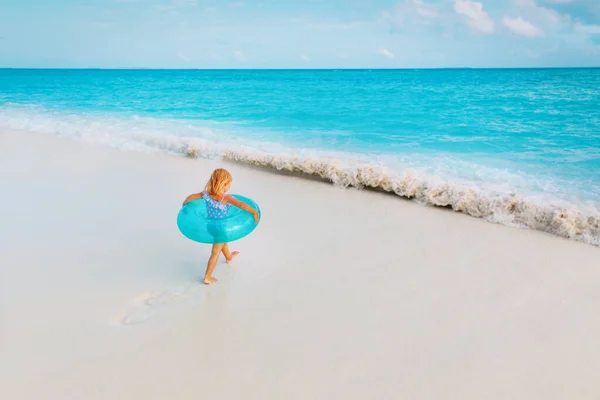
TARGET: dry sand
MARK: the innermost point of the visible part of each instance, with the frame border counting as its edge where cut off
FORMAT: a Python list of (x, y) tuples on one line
[(339, 293)]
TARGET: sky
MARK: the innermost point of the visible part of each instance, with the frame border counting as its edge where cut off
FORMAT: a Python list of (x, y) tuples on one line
[(299, 33)]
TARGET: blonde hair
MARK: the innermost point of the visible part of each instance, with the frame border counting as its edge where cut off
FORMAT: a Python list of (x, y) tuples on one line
[(218, 180)]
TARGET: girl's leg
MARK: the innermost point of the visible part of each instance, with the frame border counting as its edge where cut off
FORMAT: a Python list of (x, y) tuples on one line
[(229, 256), (212, 263)]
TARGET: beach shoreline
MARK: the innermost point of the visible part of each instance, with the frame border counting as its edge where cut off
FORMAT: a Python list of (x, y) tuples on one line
[(338, 292), (520, 150)]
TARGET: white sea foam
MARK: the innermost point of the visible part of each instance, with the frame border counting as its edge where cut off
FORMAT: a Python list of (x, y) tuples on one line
[(566, 219)]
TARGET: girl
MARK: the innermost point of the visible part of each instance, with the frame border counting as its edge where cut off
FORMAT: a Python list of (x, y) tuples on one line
[(218, 203)]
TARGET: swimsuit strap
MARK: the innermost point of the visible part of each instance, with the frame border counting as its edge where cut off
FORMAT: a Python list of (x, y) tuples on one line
[(210, 199)]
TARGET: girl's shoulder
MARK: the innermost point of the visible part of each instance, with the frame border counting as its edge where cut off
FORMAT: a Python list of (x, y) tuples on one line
[(207, 195)]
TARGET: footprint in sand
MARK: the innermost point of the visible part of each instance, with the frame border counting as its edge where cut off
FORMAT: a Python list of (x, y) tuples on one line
[(146, 304)]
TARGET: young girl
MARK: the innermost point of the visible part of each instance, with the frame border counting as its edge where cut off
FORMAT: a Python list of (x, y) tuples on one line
[(218, 203)]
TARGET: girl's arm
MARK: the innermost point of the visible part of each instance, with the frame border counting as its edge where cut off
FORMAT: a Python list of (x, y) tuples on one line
[(240, 204), (192, 197)]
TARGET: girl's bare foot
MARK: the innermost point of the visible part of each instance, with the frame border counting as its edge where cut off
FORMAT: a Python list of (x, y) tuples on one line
[(233, 255), (209, 280)]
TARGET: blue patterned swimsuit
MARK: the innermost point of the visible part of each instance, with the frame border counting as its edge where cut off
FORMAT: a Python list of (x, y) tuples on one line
[(217, 213), (215, 209)]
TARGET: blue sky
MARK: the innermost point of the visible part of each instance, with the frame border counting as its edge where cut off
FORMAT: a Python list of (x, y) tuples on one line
[(299, 34)]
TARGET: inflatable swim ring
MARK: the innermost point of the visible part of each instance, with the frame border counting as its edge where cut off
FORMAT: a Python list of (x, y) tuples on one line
[(193, 222)]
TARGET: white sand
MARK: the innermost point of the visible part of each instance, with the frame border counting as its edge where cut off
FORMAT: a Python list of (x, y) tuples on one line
[(338, 294)]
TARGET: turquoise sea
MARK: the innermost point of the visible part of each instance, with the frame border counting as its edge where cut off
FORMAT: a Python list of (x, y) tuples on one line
[(519, 147)]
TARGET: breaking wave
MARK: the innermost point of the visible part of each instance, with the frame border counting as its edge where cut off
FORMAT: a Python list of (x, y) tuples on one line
[(512, 210)]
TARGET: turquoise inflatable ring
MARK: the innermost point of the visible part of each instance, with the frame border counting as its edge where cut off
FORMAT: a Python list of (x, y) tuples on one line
[(193, 222)]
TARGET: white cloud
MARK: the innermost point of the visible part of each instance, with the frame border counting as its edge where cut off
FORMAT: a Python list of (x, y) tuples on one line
[(474, 15), (540, 13), (386, 53), (181, 55), (304, 57), (423, 9), (522, 27), (590, 29), (551, 15), (412, 11), (238, 55), (532, 3)]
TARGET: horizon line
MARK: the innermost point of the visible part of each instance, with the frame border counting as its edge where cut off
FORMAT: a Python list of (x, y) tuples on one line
[(290, 69)]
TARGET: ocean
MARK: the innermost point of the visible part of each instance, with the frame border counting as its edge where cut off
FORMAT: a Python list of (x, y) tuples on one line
[(520, 147)]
